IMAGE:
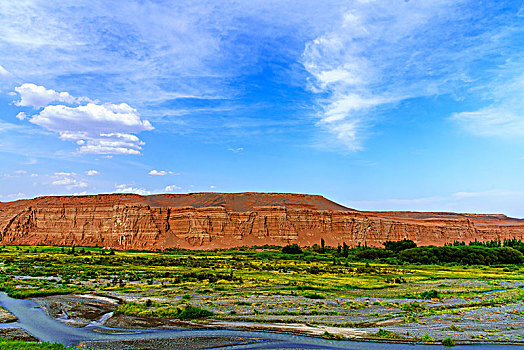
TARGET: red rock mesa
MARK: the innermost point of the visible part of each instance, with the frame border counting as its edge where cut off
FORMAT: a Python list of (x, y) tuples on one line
[(224, 220)]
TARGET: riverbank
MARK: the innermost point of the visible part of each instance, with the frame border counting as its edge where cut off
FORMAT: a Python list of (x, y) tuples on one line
[(379, 319), (6, 316), (96, 335)]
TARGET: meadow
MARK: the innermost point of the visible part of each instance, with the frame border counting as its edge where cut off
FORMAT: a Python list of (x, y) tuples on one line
[(340, 288)]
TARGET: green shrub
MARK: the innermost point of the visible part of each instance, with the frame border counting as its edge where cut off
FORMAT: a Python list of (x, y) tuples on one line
[(427, 338), (455, 328), (385, 334), (414, 307), (313, 296), (292, 249), (141, 310), (373, 254), (192, 312), (332, 336), (448, 342), (430, 294), (398, 246)]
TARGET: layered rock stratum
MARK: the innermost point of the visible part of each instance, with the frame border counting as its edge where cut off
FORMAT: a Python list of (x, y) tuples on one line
[(224, 220)]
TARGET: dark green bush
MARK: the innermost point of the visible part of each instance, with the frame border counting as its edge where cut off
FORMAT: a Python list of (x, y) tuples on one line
[(373, 254), (192, 312), (292, 249), (430, 294), (466, 255), (398, 246)]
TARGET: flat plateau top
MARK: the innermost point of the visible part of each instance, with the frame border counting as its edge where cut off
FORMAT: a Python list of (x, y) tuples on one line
[(249, 201), (241, 202)]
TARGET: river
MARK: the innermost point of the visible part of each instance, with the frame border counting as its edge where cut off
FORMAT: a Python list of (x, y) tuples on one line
[(33, 319)]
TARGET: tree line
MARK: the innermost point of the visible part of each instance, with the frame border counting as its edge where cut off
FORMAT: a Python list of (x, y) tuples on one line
[(494, 252)]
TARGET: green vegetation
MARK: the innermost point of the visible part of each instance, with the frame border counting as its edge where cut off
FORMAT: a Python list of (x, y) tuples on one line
[(448, 342), (397, 246), (383, 333), (465, 255), (154, 309), (427, 338), (293, 249), (191, 312), (40, 271), (430, 294), (278, 284), (331, 336), (23, 345), (455, 328)]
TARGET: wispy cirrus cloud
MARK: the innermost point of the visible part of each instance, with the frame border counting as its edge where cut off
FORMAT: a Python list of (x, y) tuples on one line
[(381, 53), (4, 73), (172, 51), (488, 201), (504, 114), (363, 58)]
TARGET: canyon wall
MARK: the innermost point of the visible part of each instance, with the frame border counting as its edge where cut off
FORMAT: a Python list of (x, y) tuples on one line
[(211, 220)]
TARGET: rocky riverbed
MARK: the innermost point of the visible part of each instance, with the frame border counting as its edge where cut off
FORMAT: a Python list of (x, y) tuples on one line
[(187, 343), (496, 317)]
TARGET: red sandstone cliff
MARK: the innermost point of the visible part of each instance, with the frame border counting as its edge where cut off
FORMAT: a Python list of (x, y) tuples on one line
[(214, 220)]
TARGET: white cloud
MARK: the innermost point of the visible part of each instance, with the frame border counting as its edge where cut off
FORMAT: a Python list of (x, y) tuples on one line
[(162, 173), (64, 174), (491, 193), (504, 116), (492, 121), (379, 54), (507, 202), (123, 188), (92, 173), (172, 50), (172, 188), (158, 173), (88, 126), (235, 150), (4, 73), (69, 183), (18, 195), (38, 96), (120, 119), (212, 187), (68, 180), (16, 173), (97, 128)]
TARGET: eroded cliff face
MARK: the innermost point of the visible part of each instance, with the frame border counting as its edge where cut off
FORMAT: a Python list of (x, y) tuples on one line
[(127, 221)]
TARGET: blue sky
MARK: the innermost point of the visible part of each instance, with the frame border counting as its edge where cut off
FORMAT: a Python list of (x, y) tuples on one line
[(378, 105)]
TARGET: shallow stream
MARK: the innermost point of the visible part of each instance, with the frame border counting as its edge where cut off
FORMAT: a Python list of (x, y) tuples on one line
[(34, 320)]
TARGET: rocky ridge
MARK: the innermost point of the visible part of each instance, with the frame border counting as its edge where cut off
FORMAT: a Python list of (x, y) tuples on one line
[(223, 220)]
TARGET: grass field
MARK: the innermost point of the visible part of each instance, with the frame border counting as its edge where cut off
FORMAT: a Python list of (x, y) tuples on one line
[(39, 271), (265, 285), (23, 345)]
